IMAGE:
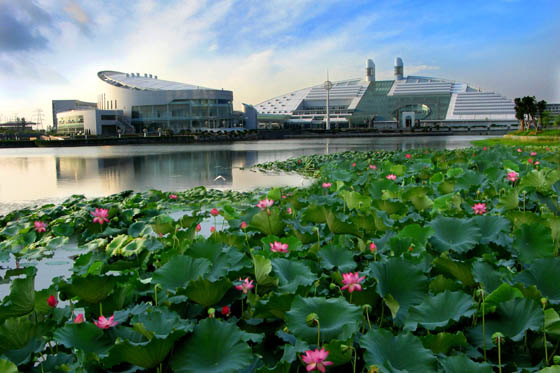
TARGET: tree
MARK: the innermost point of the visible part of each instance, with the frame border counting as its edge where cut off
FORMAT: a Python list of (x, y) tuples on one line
[(541, 108), (530, 106), (520, 112)]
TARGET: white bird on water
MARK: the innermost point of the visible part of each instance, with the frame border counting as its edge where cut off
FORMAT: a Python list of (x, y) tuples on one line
[(220, 177)]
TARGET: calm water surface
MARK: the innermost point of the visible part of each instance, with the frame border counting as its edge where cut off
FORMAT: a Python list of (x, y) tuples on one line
[(43, 175)]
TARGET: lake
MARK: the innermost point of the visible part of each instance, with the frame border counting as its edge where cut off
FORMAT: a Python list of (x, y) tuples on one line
[(36, 176)]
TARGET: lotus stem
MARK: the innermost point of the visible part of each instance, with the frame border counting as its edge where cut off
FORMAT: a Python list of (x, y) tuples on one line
[(318, 333), (100, 309), (500, 357), (543, 302), (155, 294), (350, 298), (367, 318), (355, 359), (483, 330)]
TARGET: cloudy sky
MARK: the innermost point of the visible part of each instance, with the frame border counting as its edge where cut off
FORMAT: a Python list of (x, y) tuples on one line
[(52, 49)]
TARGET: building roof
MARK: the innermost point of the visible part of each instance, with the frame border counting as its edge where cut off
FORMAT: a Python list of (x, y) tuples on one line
[(145, 82)]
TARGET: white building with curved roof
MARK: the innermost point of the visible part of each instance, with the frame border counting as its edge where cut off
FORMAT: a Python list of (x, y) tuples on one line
[(405, 101), (151, 103)]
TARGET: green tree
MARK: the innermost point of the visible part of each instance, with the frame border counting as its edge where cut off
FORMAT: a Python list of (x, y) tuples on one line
[(541, 108), (530, 105), (520, 112)]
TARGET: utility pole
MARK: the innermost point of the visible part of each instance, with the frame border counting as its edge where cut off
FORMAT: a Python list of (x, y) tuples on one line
[(38, 116), (328, 86)]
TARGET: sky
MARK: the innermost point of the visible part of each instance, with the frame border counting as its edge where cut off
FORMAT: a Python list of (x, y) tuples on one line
[(259, 49)]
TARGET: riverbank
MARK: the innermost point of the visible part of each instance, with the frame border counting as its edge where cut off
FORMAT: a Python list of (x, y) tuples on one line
[(235, 136)]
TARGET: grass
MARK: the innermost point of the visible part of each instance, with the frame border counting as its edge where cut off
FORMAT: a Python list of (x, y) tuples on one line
[(545, 132), (516, 142)]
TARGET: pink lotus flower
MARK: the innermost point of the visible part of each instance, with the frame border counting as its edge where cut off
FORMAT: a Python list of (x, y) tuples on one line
[(198, 227), (100, 216), (245, 286), (327, 185), (479, 208), (372, 167), (212, 229), (51, 301), (519, 150), (533, 154), (172, 196), (79, 319), (408, 156), (537, 163), (289, 210), (530, 160), (391, 177), (243, 225), (214, 212), (315, 360), (103, 323), (372, 247), (265, 203), (40, 226), (279, 247), (284, 197), (485, 148), (353, 164), (352, 281), (512, 176)]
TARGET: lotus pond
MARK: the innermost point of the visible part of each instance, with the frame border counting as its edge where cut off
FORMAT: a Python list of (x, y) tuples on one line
[(426, 261)]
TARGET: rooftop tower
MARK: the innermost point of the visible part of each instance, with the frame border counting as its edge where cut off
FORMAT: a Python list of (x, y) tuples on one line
[(370, 71), (399, 69)]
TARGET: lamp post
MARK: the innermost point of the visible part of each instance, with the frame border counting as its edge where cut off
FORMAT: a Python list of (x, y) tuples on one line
[(328, 86)]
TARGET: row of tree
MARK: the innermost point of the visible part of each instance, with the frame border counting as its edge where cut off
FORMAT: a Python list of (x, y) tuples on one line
[(528, 110)]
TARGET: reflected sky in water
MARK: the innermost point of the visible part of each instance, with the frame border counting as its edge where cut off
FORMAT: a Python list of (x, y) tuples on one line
[(43, 175)]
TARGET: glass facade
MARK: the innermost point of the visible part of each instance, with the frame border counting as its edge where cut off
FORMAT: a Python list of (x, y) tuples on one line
[(377, 106), (183, 115), (71, 124)]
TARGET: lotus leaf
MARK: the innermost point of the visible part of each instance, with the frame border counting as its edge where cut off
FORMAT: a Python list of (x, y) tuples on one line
[(545, 275), (179, 271), (292, 274), (454, 234), (462, 364), (532, 242), (440, 310)]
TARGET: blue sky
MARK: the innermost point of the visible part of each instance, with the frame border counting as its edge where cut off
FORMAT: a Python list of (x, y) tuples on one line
[(52, 49)]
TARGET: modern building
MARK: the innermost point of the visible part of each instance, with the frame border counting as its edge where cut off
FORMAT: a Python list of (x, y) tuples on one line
[(404, 102), (92, 122), (553, 109), (151, 103), (59, 106)]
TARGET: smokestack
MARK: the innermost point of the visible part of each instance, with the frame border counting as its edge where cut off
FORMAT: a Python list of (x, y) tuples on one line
[(399, 69), (370, 71)]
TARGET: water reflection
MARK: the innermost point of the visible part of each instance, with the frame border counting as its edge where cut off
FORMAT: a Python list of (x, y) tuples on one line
[(36, 176)]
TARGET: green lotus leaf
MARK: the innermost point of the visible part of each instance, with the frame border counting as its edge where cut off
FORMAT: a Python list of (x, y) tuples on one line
[(355, 200), (512, 318), (460, 270), (206, 292), (462, 364), (338, 223), (551, 369), (532, 242), (440, 283), (163, 224), (292, 274), (215, 346), (472, 179), (418, 234), (91, 289), (268, 224), (263, 267), (438, 311), (502, 293), (404, 352), (224, 259), (535, 179), (545, 275), (441, 343), (509, 200), (274, 307), (160, 323), (138, 229), (6, 366), (552, 322), (63, 229), (118, 243), (338, 319), (447, 202), (454, 172), (332, 256), (21, 299), (485, 274), (336, 354), (493, 229), (179, 271), (146, 355), (418, 196), (403, 281), (390, 207), (455, 234), (85, 336), (16, 332)]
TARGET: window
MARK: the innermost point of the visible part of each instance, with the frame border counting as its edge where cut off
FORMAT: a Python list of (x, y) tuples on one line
[(108, 117)]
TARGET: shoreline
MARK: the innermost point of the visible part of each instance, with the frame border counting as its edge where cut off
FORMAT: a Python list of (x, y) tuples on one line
[(232, 137)]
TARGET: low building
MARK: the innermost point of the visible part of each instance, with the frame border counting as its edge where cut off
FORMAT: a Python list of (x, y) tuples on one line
[(58, 106), (92, 122), (404, 102), (553, 109)]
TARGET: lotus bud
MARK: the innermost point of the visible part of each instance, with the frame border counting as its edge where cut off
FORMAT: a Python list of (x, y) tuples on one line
[(332, 286), (556, 360), (498, 338), (344, 348), (366, 307), (211, 312), (312, 319), (544, 301)]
